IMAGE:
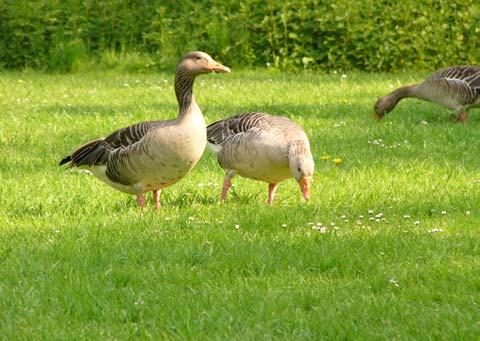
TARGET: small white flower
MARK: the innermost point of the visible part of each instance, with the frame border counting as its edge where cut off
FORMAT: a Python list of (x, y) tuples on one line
[(370, 211), (361, 216), (284, 225), (444, 212), (406, 216), (394, 282), (332, 224), (237, 226), (344, 76), (322, 230), (467, 213), (167, 218), (416, 222), (191, 218), (435, 230), (343, 216)]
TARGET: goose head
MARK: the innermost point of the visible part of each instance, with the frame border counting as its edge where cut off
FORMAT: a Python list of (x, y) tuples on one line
[(384, 105), (301, 166), (196, 63)]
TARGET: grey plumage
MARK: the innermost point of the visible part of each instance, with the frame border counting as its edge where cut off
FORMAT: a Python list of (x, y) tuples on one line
[(152, 155), (462, 83), (262, 147), (115, 150), (456, 87)]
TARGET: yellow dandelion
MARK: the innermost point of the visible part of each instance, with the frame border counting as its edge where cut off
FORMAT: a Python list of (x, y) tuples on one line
[(325, 157), (337, 161)]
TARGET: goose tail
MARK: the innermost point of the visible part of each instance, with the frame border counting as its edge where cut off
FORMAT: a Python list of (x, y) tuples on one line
[(93, 153)]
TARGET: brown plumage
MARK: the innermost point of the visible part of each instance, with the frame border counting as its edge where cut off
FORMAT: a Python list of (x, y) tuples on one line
[(262, 147), (152, 155)]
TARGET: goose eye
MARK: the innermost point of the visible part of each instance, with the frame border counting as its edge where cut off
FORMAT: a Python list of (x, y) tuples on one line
[(299, 169)]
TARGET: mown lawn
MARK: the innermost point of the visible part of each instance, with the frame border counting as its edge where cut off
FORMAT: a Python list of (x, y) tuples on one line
[(388, 247)]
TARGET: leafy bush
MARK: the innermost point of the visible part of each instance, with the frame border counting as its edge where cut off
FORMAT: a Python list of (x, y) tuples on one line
[(379, 35)]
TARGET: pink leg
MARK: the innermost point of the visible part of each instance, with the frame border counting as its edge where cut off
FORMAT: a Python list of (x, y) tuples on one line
[(463, 117), (272, 188), (156, 198), (227, 183), (141, 200)]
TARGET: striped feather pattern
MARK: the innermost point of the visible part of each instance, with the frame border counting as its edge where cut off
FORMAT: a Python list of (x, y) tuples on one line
[(127, 136), (221, 131), (462, 83), (258, 146), (97, 152), (152, 155)]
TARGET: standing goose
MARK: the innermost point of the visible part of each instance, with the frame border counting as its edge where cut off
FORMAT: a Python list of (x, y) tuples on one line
[(456, 87), (262, 147), (152, 155)]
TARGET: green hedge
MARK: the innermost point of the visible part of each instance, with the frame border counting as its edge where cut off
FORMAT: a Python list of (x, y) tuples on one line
[(369, 35)]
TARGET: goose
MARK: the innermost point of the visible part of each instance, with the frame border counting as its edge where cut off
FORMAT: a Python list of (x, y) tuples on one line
[(456, 87), (262, 147), (152, 155)]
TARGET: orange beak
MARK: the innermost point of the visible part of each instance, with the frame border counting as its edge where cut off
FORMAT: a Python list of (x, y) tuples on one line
[(217, 67), (305, 186)]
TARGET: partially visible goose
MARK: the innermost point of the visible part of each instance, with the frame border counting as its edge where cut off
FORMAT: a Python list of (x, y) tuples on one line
[(456, 87), (262, 147), (152, 155)]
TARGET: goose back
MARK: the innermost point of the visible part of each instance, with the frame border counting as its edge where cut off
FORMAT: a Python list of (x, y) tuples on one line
[(456, 87), (255, 145)]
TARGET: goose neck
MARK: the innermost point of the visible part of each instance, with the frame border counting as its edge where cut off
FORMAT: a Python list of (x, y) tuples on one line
[(184, 92), (404, 92)]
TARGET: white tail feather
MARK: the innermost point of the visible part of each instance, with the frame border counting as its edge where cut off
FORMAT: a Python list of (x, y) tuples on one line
[(213, 147)]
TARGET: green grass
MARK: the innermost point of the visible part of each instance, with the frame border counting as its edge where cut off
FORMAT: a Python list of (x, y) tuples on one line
[(79, 260)]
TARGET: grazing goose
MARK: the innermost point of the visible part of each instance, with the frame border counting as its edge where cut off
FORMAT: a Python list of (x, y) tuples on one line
[(456, 87), (262, 147), (152, 155)]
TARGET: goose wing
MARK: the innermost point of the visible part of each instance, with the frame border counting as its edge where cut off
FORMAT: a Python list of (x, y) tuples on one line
[(97, 152), (222, 131), (460, 82)]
